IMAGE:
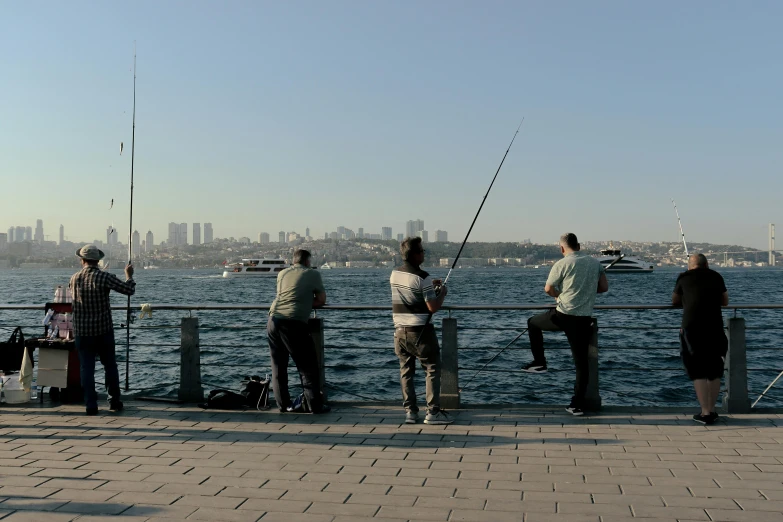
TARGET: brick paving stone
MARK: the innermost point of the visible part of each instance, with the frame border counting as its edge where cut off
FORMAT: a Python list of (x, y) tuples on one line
[(332, 508), (137, 497), (122, 485), (225, 515), (82, 495), (654, 512), (726, 493), (94, 508), (474, 516), (414, 513), (276, 506), (160, 511), (224, 502), (296, 517), (26, 491), (383, 500), (39, 516), (420, 491), (35, 504), (719, 515)]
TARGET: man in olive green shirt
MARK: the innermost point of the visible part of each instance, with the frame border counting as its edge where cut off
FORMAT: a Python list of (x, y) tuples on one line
[(299, 290)]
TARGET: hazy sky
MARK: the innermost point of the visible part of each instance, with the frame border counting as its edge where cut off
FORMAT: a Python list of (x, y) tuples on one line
[(267, 116)]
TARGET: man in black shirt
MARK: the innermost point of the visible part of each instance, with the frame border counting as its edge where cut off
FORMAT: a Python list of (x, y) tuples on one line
[(701, 292)]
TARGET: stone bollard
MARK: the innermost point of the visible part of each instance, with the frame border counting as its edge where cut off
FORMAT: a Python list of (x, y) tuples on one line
[(449, 358), (190, 389), (316, 325), (593, 397), (736, 398)]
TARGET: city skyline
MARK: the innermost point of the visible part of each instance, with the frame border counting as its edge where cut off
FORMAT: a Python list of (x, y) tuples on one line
[(180, 236), (626, 105)]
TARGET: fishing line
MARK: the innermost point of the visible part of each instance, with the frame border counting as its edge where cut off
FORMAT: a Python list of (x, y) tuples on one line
[(682, 234), (520, 335), (445, 281)]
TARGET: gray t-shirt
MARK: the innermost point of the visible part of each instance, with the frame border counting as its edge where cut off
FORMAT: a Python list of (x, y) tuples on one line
[(576, 276), (296, 287)]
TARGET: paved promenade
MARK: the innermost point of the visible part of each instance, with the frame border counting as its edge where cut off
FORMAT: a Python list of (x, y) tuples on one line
[(156, 462)]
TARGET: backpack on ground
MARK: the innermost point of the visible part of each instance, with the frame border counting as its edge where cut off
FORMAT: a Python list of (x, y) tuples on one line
[(255, 391), (224, 400)]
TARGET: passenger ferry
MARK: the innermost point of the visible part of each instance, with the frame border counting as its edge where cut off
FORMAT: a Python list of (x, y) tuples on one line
[(626, 264), (255, 267)]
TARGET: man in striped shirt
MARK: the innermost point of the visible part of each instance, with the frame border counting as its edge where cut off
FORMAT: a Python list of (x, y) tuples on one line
[(415, 297), (92, 324)]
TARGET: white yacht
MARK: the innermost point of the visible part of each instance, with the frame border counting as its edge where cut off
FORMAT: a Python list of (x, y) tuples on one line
[(255, 268), (326, 266), (626, 264)]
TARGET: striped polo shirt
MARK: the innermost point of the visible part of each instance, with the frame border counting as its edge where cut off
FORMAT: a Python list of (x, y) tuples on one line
[(411, 287)]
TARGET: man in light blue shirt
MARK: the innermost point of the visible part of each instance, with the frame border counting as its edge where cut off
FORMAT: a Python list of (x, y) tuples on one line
[(574, 282)]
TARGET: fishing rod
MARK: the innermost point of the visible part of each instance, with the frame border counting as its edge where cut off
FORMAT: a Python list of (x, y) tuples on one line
[(520, 335), (681, 232), (454, 264), (130, 230), (768, 388)]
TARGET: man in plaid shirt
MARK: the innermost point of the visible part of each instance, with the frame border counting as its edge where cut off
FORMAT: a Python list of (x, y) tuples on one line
[(92, 324)]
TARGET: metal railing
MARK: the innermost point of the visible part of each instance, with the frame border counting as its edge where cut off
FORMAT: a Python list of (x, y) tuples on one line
[(163, 361)]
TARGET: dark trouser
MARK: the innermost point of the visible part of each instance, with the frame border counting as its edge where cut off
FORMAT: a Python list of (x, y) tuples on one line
[(90, 346), (427, 351), (288, 337), (578, 330)]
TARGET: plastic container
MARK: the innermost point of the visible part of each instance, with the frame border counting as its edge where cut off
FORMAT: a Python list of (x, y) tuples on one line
[(13, 391)]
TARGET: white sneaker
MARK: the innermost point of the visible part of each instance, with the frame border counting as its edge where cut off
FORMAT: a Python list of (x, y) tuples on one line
[(411, 417), (437, 417)]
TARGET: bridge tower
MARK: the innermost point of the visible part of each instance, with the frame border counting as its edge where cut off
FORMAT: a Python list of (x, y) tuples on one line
[(772, 244)]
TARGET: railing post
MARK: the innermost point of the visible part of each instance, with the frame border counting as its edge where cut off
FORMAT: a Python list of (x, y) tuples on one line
[(593, 396), (190, 389), (736, 398), (449, 362), (316, 325)]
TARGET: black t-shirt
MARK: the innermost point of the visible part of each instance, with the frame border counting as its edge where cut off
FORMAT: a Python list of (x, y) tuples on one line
[(701, 290)]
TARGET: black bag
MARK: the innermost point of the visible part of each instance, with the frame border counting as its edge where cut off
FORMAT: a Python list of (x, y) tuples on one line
[(12, 352), (224, 400), (255, 391)]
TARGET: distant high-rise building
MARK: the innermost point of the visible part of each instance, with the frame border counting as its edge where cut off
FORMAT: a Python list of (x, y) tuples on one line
[(340, 231), (333, 235), (62, 235), (263, 238), (173, 234), (326, 235), (111, 236), (183, 234), (208, 238), (281, 237), (196, 233), (19, 234), (39, 233), (400, 237), (307, 232), (150, 241), (10, 234), (386, 233), (135, 244), (423, 235), (28, 234), (360, 234), (3, 241), (413, 227), (441, 236)]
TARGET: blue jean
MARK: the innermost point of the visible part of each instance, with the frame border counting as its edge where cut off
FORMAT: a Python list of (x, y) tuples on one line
[(102, 346)]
